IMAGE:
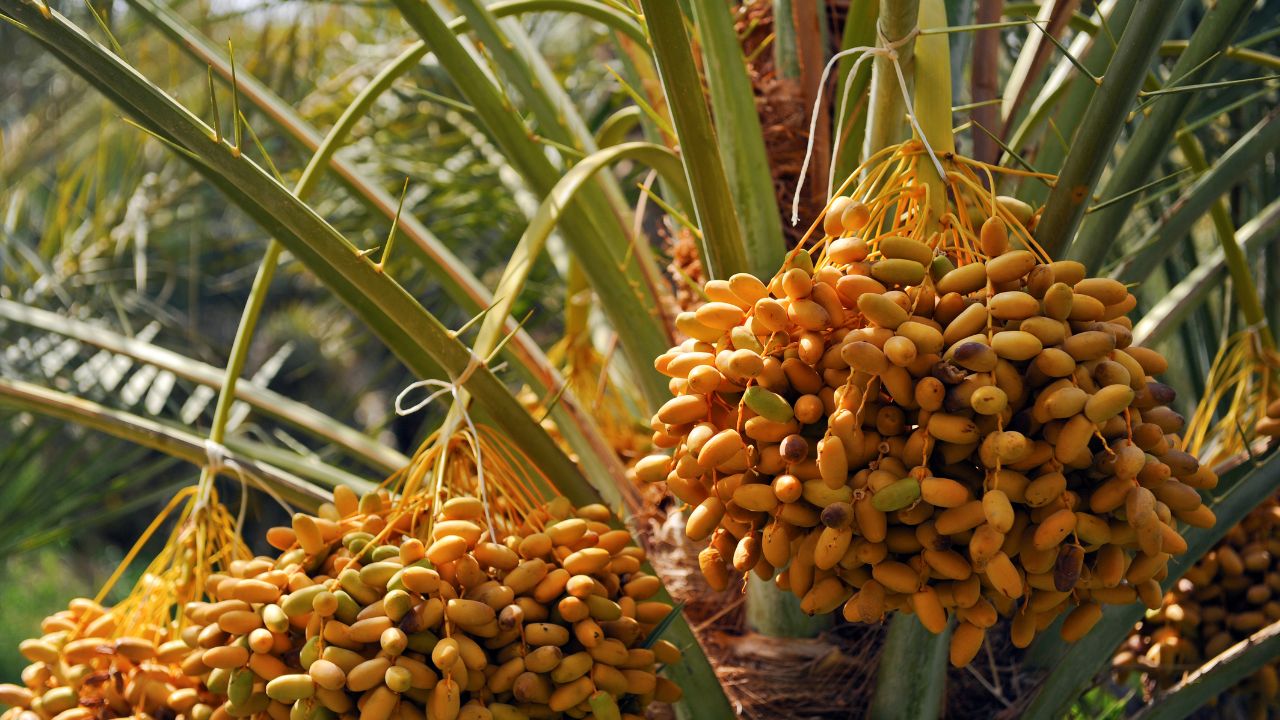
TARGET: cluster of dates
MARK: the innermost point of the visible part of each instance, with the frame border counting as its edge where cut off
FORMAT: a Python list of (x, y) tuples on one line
[(82, 669), (884, 429), (1233, 592), (366, 614)]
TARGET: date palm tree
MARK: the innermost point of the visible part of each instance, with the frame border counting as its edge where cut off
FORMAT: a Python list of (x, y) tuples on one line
[(416, 170)]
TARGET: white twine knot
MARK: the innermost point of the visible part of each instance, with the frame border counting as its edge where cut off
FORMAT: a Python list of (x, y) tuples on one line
[(218, 459), (893, 45), (888, 50), (453, 388), (218, 456), (1255, 340)]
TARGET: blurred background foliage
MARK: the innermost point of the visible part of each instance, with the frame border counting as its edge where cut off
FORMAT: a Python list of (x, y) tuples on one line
[(100, 222)]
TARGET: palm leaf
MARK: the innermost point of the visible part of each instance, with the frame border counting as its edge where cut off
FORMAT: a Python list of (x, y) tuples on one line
[(411, 332), (1099, 129), (589, 228), (149, 354), (1216, 676), (738, 131), (1175, 305), (157, 436), (723, 249), (1150, 141), (1161, 238), (457, 281)]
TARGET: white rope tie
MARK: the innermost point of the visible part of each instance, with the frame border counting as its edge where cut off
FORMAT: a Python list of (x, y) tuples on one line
[(844, 107), (452, 388), (887, 50), (813, 123), (218, 459), (1255, 340), (906, 98)]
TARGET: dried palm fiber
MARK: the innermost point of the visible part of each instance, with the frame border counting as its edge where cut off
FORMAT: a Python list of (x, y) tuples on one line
[(764, 677), (1231, 593), (96, 662), (420, 600), (942, 422), (685, 268)]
